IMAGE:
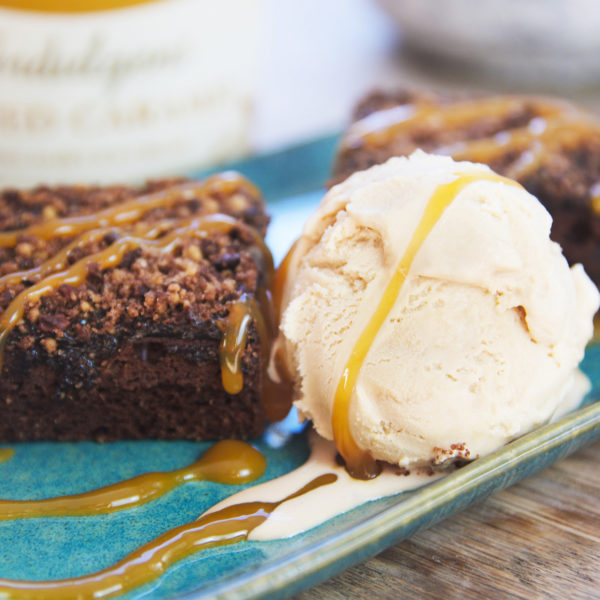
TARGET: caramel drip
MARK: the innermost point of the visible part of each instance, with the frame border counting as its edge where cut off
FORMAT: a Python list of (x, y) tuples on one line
[(359, 462), (278, 387), (381, 127), (280, 279), (6, 454), (233, 342), (226, 526), (111, 256), (60, 260), (276, 395), (132, 210), (229, 462), (553, 126), (539, 137), (595, 198)]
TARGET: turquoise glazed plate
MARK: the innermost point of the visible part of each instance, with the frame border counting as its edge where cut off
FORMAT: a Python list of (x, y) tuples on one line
[(57, 548)]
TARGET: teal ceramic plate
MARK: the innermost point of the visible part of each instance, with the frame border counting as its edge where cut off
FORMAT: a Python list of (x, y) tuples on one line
[(56, 548)]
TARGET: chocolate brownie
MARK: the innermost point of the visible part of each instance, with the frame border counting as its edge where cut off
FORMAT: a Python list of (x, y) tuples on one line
[(125, 311), (550, 146)]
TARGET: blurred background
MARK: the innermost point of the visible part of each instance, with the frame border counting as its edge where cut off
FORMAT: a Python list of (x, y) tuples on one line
[(121, 90)]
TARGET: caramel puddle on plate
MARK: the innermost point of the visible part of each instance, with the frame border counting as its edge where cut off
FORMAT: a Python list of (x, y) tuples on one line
[(6, 454), (359, 462), (225, 526), (229, 462)]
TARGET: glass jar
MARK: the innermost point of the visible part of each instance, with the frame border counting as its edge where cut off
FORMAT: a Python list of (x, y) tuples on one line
[(121, 90)]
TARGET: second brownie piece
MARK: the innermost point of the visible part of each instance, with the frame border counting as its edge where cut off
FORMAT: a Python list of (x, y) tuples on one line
[(550, 146)]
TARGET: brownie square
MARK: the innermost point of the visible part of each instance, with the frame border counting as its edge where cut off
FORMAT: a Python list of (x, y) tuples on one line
[(133, 348)]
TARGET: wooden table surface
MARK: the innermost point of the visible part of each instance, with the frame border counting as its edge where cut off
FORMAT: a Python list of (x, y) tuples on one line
[(537, 539)]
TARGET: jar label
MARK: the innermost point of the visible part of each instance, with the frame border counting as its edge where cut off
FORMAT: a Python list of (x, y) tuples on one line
[(121, 95)]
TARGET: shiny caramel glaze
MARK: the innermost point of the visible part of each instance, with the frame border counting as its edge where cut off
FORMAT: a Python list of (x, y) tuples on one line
[(230, 462), (359, 462), (132, 210), (278, 390), (280, 280), (6, 454), (241, 314), (226, 526), (71, 6), (60, 260), (545, 128), (533, 142), (381, 127), (111, 256), (276, 394)]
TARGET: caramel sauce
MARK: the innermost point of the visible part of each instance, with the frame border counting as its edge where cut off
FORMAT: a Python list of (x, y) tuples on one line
[(226, 526), (60, 260), (132, 210), (596, 203), (233, 342), (553, 125), (111, 256), (71, 6), (381, 127), (6, 454), (278, 392), (359, 462), (230, 462), (537, 139), (276, 395), (280, 279)]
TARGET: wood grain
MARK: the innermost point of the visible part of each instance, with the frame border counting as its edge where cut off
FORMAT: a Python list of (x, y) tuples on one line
[(537, 539)]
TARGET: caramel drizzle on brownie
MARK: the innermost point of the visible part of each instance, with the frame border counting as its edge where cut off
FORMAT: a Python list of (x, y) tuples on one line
[(225, 526), (241, 314), (552, 124), (60, 260), (55, 271), (229, 462), (359, 462), (131, 211), (277, 390), (380, 127), (534, 141), (111, 256)]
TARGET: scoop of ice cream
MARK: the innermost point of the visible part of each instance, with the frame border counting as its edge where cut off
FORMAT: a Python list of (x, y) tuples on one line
[(483, 335)]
